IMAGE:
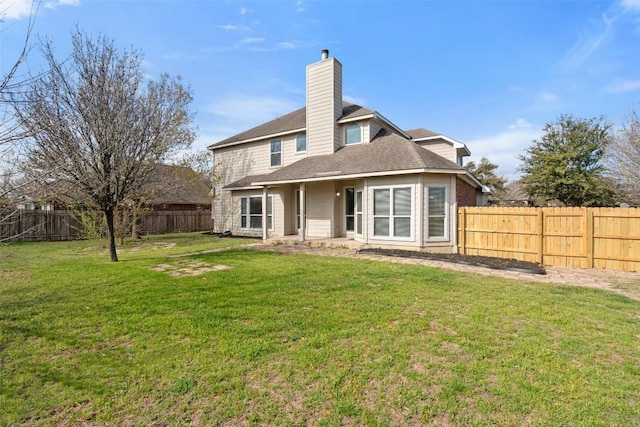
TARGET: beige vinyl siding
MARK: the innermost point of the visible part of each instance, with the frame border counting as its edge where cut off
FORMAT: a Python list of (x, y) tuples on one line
[(372, 130), (223, 212), (227, 213), (320, 209), (324, 106), (236, 162), (289, 153), (442, 148)]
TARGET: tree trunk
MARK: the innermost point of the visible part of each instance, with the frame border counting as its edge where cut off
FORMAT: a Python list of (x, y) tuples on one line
[(108, 214)]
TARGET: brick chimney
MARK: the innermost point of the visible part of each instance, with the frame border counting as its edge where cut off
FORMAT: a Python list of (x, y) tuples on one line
[(324, 105)]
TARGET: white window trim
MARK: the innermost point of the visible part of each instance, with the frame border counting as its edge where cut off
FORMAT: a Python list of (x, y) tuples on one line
[(359, 212), (391, 216), (248, 214), (361, 126), (344, 210), (447, 225), (305, 143), (271, 153)]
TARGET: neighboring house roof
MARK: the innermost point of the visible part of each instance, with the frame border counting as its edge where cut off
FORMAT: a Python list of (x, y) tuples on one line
[(292, 122), (169, 184), (515, 193), (177, 185), (387, 153)]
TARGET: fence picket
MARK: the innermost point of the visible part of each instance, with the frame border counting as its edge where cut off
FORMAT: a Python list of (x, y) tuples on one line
[(58, 225), (605, 238)]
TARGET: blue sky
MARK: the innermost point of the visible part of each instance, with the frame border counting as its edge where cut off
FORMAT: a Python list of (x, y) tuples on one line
[(486, 73)]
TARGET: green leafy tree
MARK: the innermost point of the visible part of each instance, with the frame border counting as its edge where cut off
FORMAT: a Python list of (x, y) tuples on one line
[(566, 165), (485, 171)]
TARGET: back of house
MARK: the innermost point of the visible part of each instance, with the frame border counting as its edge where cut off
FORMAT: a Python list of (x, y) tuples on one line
[(335, 169)]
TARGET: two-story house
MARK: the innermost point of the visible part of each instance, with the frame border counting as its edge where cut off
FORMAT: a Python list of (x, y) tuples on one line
[(335, 169)]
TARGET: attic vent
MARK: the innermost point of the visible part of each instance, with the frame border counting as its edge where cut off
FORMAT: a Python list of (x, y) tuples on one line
[(325, 53)]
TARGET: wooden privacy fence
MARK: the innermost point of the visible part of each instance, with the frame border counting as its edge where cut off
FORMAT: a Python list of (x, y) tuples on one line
[(163, 222), (38, 226), (605, 238), (59, 225)]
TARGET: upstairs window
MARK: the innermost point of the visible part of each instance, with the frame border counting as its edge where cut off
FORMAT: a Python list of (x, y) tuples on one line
[(301, 143), (276, 153), (353, 134)]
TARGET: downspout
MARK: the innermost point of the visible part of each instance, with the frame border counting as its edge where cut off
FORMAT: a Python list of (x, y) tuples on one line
[(303, 214), (366, 209), (265, 226)]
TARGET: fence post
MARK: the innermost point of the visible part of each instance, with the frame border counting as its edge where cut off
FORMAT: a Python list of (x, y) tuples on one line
[(588, 223), (462, 228), (540, 235)]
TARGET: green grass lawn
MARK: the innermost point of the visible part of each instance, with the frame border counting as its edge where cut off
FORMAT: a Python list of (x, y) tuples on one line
[(301, 340)]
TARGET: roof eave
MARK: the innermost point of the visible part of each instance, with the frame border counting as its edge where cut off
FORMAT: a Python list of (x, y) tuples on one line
[(258, 138), (360, 175), (248, 187)]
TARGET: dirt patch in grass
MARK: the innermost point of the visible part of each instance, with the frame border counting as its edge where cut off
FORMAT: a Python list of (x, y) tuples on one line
[(480, 261), (14, 274), (188, 268)]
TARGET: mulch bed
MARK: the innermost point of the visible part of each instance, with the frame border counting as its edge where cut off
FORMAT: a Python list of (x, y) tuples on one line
[(228, 235), (475, 260)]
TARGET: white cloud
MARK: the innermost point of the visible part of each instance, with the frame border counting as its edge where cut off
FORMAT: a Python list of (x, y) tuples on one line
[(231, 27), (53, 4), (621, 86), (286, 45), (300, 7), (244, 11), (18, 9), (280, 46), (630, 5), (241, 112), (355, 100), (252, 40), (504, 147), (548, 97), (588, 43)]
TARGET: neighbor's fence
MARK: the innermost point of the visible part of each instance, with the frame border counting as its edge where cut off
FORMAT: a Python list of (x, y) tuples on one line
[(59, 225), (163, 222), (606, 238)]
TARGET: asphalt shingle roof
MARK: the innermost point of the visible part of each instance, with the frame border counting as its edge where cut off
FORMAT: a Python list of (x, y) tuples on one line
[(421, 133), (289, 122), (245, 182), (387, 152)]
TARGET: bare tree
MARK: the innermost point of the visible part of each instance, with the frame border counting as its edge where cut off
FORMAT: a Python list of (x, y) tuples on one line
[(11, 82), (201, 162), (624, 160), (97, 123)]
